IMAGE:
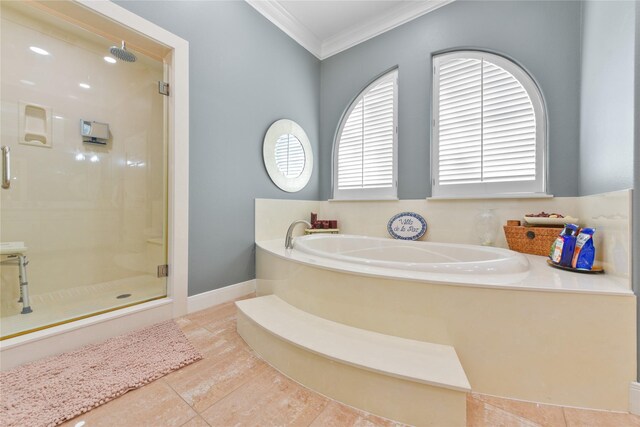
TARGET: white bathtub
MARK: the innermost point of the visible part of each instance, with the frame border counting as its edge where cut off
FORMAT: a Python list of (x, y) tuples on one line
[(454, 263), (445, 263), (418, 256)]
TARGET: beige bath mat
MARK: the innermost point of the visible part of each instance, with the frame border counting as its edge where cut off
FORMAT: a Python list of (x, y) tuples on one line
[(52, 390)]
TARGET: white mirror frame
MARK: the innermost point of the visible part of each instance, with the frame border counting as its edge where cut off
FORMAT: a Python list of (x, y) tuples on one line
[(275, 131)]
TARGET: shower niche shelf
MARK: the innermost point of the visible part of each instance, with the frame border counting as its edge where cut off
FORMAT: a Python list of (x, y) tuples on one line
[(35, 125)]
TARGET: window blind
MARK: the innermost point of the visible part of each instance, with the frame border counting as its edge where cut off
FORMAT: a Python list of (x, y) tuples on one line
[(367, 140), (486, 124), (289, 156)]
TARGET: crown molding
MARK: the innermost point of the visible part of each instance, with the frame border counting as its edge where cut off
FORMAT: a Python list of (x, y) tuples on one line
[(368, 30), (322, 49), (281, 18)]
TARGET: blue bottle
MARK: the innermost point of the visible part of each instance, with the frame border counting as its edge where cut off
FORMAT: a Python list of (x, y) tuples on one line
[(562, 250), (585, 252)]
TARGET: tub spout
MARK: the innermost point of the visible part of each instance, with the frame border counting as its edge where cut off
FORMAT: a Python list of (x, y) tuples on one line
[(288, 239)]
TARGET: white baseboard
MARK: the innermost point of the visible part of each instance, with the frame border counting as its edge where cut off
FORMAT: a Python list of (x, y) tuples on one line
[(634, 398), (218, 296)]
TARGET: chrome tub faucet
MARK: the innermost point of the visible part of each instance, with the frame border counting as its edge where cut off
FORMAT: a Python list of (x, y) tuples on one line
[(288, 239)]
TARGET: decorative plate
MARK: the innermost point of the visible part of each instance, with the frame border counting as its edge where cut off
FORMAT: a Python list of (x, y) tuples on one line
[(540, 220), (407, 226)]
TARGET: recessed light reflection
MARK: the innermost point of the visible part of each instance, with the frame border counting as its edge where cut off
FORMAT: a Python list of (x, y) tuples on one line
[(84, 85), (80, 157), (94, 159), (58, 117), (135, 164), (27, 82), (80, 424), (110, 60), (38, 50)]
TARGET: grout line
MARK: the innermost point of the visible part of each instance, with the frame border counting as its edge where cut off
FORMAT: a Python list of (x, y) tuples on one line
[(185, 401), (228, 356), (179, 395), (326, 405), (200, 417), (564, 416), (228, 319), (190, 419), (497, 409), (207, 311), (165, 382), (260, 369)]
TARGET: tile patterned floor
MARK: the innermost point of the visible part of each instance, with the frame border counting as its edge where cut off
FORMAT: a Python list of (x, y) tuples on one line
[(232, 386)]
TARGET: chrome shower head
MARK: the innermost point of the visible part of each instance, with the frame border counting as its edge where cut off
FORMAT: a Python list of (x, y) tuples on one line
[(122, 53)]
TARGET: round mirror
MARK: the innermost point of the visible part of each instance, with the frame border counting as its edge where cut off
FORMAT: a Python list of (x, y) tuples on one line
[(287, 155)]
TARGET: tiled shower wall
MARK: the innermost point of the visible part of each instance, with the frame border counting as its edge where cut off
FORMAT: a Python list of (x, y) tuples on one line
[(85, 212)]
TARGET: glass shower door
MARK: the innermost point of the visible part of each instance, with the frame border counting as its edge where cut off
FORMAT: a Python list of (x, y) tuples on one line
[(83, 197)]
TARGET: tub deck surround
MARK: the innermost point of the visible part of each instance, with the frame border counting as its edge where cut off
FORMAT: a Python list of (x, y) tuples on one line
[(550, 338), (363, 255), (453, 220), (368, 370)]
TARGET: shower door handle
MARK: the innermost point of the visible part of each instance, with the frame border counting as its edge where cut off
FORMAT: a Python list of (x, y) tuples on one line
[(6, 167)]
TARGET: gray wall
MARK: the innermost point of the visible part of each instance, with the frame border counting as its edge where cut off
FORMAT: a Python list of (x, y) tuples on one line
[(244, 74), (607, 98), (544, 37)]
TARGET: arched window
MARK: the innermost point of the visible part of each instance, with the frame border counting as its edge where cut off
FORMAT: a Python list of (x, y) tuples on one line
[(489, 127), (364, 159)]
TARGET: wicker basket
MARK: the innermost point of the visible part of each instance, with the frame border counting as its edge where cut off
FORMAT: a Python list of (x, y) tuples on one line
[(531, 240)]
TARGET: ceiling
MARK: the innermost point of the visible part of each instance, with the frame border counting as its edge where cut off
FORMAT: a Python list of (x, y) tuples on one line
[(326, 27)]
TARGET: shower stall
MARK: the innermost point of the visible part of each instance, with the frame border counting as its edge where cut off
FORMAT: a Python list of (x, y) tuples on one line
[(85, 202)]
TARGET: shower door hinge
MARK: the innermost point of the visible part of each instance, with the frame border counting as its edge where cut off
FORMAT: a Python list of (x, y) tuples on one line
[(163, 88), (163, 270)]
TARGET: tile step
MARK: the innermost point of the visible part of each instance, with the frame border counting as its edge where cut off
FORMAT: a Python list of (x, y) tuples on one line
[(428, 363)]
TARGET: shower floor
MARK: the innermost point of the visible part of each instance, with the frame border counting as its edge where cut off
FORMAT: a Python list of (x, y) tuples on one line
[(68, 304)]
